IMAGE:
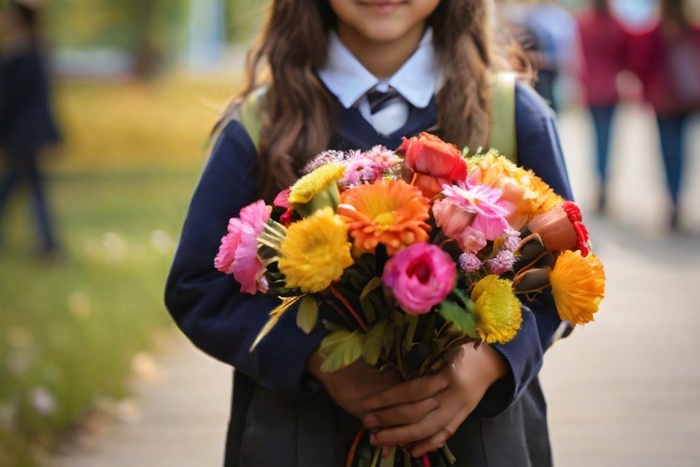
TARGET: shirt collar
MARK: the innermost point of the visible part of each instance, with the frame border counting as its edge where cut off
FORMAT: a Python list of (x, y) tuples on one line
[(416, 80)]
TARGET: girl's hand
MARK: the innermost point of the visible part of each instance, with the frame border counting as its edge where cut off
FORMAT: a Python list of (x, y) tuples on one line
[(423, 413), (353, 386)]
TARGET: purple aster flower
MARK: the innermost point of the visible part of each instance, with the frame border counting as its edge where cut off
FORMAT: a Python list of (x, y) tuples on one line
[(469, 262), (502, 263)]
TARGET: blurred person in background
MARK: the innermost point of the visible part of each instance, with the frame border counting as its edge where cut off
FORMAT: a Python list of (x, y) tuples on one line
[(605, 48), (548, 33), (509, 35), (667, 60), (27, 125)]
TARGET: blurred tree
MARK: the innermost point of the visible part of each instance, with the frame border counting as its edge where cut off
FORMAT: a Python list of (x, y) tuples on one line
[(153, 32), (242, 19)]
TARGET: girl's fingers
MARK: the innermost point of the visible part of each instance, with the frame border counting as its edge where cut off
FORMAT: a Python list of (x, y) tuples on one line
[(427, 434), (430, 444), (409, 391), (405, 434), (403, 414)]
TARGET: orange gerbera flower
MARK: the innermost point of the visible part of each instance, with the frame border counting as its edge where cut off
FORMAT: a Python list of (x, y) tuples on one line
[(578, 286), (389, 212)]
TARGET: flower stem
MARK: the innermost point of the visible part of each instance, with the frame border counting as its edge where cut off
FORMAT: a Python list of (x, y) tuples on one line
[(341, 312), (399, 355), (347, 305), (375, 457), (447, 454), (353, 446)]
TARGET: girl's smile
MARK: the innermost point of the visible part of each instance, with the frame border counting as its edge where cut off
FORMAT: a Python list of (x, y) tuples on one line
[(384, 7)]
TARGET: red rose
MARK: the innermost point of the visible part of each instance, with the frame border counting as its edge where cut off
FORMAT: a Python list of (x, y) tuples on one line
[(432, 162)]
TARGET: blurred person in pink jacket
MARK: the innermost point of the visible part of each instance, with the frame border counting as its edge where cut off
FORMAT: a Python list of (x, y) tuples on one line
[(605, 48), (667, 60)]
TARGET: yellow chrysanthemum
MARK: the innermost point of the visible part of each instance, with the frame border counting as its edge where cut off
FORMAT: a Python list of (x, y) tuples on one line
[(525, 190), (496, 309), (315, 251), (578, 286), (314, 183), (546, 199), (390, 212)]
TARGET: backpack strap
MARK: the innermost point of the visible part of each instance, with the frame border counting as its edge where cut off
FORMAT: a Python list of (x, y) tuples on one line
[(250, 116), (502, 136)]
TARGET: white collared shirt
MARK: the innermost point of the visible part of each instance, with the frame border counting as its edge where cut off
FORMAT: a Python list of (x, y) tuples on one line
[(417, 79)]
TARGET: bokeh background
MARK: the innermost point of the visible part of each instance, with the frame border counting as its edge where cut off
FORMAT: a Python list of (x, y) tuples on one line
[(138, 85)]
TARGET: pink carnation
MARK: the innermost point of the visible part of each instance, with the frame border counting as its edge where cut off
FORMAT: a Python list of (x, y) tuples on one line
[(420, 276), (239, 247), (490, 209)]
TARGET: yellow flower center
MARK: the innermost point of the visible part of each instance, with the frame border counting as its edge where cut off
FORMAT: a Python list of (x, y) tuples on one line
[(392, 213), (385, 220)]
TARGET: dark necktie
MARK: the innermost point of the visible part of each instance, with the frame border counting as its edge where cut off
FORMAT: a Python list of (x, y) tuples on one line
[(389, 110)]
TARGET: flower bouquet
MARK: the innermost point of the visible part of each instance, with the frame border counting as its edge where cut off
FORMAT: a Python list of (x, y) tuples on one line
[(407, 254)]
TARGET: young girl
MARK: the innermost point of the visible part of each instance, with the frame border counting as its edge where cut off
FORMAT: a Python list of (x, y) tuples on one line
[(319, 60)]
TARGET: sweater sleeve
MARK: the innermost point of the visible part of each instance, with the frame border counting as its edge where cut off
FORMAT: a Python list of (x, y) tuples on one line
[(208, 305), (539, 149)]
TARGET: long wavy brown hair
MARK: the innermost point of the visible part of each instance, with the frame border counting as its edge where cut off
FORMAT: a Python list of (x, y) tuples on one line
[(299, 113)]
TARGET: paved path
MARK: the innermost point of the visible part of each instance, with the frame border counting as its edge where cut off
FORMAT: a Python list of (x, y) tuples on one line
[(622, 391), (178, 418)]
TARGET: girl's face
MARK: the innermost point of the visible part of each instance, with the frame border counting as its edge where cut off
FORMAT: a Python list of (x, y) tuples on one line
[(365, 23)]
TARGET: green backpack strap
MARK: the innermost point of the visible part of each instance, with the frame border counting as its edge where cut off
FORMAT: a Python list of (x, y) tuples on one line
[(502, 135), (250, 114)]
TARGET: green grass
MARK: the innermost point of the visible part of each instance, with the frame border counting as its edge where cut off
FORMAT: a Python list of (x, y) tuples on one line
[(119, 191)]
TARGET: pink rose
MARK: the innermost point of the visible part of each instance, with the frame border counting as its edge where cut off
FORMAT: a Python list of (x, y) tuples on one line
[(238, 252), (472, 240), (452, 218), (420, 276), (431, 162)]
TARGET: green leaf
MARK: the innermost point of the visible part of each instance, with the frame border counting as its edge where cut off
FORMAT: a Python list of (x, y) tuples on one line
[(389, 336), (412, 321), (397, 317), (373, 342), (464, 298), (341, 348), (461, 319), (307, 316), (366, 300)]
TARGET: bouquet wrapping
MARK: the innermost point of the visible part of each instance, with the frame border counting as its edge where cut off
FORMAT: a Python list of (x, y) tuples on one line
[(407, 254)]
